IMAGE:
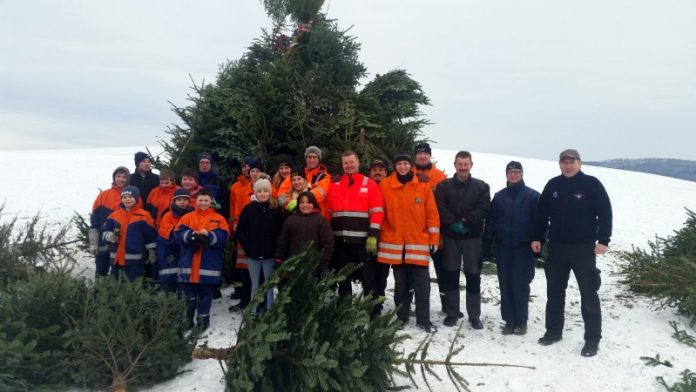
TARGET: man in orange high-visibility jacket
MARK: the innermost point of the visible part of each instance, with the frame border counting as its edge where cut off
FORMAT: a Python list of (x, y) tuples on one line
[(202, 234), (410, 232), (317, 175), (355, 206), (426, 171)]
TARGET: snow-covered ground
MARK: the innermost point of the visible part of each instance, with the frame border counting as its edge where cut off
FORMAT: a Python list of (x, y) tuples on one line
[(58, 182)]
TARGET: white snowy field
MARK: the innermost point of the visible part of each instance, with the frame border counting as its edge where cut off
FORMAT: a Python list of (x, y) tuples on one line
[(58, 182)]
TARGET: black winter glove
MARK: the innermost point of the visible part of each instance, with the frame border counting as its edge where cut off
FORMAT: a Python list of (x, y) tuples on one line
[(195, 239), (204, 240)]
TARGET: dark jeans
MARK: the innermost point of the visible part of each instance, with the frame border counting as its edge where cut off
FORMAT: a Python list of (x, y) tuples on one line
[(345, 254), (419, 278), (581, 259), (199, 298), (515, 273)]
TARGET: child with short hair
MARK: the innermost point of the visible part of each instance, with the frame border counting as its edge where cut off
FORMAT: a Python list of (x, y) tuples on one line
[(202, 234), (168, 250), (189, 181), (106, 202), (160, 198), (131, 233)]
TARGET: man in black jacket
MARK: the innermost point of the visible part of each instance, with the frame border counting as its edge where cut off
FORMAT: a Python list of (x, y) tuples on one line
[(579, 211), (463, 203)]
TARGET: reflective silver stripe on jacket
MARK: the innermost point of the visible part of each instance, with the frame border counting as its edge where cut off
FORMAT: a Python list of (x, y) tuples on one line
[(320, 191), (376, 209), (365, 179), (353, 214), (349, 233), (208, 273), (202, 272), (392, 256), (151, 245), (417, 257), (418, 247), (375, 226), (390, 246), (129, 256), (103, 249), (169, 271), (214, 239), (433, 229), (186, 235)]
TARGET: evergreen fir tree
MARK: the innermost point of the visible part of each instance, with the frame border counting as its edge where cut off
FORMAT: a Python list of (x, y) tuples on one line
[(291, 91), (667, 271)]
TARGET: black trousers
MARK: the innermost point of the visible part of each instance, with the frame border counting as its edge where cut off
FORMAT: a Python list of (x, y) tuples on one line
[(381, 276), (581, 259), (515, 273), (419, 278), (458, 253), (345, 254)]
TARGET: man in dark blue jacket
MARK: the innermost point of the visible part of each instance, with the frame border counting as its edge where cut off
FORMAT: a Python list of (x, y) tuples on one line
[(510, 224), (579, 211)]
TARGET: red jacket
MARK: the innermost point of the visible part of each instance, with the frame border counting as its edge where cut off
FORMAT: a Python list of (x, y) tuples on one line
[(412, 223), (356, 208)]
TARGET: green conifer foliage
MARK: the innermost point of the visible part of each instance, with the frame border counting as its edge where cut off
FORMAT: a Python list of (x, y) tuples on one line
[(311, 339), (291, 91), (127, 334), (667, 271), (35, 315)]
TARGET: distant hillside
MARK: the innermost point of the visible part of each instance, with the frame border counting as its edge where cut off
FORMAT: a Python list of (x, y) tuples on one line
[(675, 168)]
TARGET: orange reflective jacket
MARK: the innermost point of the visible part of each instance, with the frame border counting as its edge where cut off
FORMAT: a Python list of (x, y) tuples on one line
[(411, 224)]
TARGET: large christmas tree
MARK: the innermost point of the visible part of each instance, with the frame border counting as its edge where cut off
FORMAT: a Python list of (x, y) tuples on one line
[(298, 86)]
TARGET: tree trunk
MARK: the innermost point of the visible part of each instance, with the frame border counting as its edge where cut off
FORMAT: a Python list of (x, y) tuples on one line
[(119, 383)]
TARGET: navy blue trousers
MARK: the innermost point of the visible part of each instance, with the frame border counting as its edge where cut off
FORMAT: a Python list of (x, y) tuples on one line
[(199, 298), (515, 273)]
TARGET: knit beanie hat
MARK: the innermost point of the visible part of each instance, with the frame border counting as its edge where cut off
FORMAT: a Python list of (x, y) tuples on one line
[(204, 155), (262, 183), (298, 171), (312, 150), (181, 192), (132, 191), (247, 160), (120, 169), (257, 164), (513, 165), (140, 156), (402, 156), (285, 160), (423, 147)]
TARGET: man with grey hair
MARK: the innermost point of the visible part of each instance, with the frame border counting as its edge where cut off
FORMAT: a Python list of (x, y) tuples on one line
[(575, 210)]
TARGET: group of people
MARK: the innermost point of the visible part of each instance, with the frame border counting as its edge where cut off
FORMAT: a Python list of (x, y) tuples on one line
[(148, 225)]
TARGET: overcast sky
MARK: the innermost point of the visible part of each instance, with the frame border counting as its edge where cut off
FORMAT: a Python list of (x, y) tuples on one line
[(614, 79)]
